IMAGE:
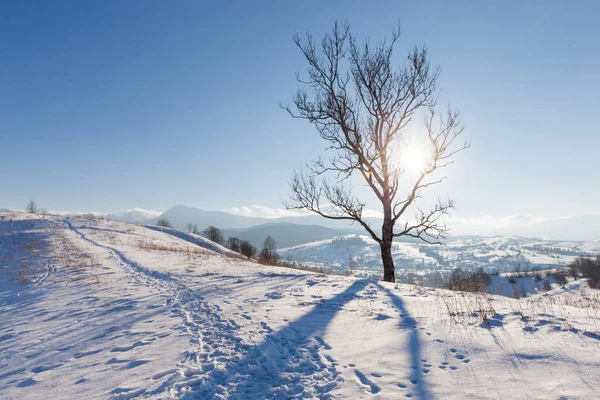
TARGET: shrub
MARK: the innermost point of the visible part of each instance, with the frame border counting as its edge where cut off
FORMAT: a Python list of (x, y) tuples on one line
[(247, 249), (537, 277), (560, 278), (589, 268), (512, 280), (468, 281), (164, 223), (233, 244), (547, 286), (214, 234), (268, 255), (32, 207)]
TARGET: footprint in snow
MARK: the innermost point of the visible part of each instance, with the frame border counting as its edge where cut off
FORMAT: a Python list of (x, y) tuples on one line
[(382, 317), (123, 349), (27, 382), (86, 353), (46, 367), (365, 381), (163, 374), (136, 363), (323, 343)]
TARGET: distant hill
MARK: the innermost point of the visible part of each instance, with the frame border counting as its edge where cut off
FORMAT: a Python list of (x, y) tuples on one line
[(503, 253), (134, 216), (180, 215), (569, 228), (285, 234)]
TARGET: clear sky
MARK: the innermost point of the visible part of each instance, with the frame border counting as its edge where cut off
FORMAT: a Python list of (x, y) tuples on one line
[(109, 105)]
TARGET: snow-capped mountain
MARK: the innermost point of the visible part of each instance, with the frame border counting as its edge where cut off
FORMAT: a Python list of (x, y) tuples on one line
[(134, 216)]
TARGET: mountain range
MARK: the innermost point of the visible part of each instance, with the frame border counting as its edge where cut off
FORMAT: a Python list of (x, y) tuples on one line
[(295, 230), (290, 231)]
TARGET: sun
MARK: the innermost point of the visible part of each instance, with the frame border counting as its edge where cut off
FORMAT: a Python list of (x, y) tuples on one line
[(414, 157)]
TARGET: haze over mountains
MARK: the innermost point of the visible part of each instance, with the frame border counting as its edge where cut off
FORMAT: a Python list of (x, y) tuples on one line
[(296, 230), (568, 228)]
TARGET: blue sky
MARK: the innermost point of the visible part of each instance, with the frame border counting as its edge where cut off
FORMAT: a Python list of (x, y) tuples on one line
[(112, 105)]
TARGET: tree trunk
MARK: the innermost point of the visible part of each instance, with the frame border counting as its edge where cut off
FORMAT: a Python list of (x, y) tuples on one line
[(389, 272)]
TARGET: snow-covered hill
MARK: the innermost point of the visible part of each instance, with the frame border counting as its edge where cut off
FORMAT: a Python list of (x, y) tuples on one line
[(496, 253), (134, 216), (107, 310)]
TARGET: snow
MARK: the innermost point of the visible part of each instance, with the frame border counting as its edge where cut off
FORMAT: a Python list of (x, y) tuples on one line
[(105, 309), (491, 253)]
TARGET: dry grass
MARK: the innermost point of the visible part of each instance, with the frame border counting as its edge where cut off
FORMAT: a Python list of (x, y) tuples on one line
[(148, 245)]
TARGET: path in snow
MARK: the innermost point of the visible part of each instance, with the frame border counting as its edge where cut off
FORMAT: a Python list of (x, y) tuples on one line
[(177, 321)]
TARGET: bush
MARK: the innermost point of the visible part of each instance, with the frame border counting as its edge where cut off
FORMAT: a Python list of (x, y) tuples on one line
[(233, 244), (538, 277), (268, 255), (468, 281), (512, 280), (32, 207), (247, 249), (547, 286), (164, 223), (588, 268), (560, 278), (214, 234)]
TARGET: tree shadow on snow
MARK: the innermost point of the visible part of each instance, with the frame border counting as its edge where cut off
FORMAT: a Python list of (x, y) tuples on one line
[(287, 364), (417, 378)]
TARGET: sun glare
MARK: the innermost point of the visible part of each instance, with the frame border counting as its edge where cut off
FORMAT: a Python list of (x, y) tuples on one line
[(414, 157)]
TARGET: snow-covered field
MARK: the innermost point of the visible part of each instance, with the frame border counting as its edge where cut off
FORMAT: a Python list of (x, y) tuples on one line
[(502, 253), (100, 309)]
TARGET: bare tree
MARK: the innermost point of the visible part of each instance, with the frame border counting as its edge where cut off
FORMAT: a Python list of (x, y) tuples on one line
[(268, 254), (361, 104), (352, 265), (164, 223), (32, 207), (195, 229), (214, 234), (189, 226), (247, 249), (233, 244)]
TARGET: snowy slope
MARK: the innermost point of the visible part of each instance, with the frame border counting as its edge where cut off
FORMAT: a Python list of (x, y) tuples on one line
[(103, 309)]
